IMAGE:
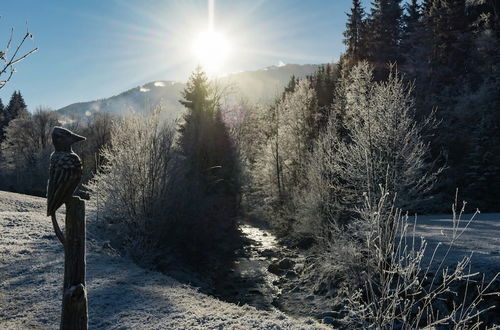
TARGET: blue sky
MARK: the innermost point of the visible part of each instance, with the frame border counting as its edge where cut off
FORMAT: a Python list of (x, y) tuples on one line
[(98, 48)]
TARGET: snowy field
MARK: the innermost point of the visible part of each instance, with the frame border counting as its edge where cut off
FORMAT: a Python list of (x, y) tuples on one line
[(481, 238), (121, 295)]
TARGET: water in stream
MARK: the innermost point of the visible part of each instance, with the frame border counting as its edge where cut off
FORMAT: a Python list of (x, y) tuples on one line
[(250, 282), (253, 280)]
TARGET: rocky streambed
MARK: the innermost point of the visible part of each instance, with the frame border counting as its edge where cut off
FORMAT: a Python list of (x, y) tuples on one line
[(267, 275), (249, 282)]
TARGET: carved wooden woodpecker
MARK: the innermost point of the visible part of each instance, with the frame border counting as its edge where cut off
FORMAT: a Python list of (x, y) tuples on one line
[(64, 174)]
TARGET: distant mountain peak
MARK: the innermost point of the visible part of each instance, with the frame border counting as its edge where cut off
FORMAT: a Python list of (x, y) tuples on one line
[(256, 86)]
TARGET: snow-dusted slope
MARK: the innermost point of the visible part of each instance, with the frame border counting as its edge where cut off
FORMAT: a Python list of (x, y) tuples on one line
[(121, 294), (260, 86)]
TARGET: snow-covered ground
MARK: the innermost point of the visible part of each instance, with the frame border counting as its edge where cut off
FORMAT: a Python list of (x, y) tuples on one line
[(121, 294), (481, 238)]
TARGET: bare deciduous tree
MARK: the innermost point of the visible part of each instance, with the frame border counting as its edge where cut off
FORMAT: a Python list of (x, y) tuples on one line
[(11, 55), (26, 149)]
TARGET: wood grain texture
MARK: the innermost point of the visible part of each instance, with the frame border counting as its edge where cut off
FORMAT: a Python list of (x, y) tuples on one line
[(74, 307)]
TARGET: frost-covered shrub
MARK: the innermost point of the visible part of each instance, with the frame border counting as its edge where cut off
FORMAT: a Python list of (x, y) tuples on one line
[(169, 199), (381, 144), (282, 157), (132, 186), (366, 249), (276, 145), (404, 285), (382, 276)]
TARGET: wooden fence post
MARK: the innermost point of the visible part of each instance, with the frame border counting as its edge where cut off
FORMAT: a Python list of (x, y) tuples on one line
[(74, 306)]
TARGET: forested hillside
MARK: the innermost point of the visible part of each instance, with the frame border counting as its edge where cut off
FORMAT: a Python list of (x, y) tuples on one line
[(449, 51)]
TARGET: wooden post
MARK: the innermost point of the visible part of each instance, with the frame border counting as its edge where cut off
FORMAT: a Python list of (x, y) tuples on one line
[(74, 305)]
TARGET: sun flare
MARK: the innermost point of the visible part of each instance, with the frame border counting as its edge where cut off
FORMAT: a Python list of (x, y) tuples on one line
[(211, 50)]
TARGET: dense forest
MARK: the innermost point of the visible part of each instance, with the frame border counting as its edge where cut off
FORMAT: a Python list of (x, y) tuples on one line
[(408, 116), (449, 51)]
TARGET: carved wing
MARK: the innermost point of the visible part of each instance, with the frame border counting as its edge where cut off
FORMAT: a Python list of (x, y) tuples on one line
[(64, 175)]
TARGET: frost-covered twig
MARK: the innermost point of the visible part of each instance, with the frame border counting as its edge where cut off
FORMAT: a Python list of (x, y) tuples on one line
[(11, 60), (398, 290)]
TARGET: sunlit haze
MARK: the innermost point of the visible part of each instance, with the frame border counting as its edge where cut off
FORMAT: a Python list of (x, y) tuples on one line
[(211, 49), (95, 49)]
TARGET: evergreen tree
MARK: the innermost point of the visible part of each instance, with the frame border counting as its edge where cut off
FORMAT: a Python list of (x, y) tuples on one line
[(290, 87), (385, 31), (426, 7), (481, 175), (414, 47), (450, 40), (323, 82), (196, 95), (355, 33), (200, 115), (209, 174), (205, 140), (15, 109), (411, 20), (459, 78)]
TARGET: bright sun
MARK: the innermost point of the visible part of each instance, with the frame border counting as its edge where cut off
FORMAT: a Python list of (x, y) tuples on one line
[(211, 50)]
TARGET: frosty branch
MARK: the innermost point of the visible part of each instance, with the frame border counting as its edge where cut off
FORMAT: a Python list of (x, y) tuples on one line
[(16, 57)]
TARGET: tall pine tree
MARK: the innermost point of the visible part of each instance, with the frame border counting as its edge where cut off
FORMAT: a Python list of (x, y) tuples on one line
[(354, 34), (16, 108), (414, 47), (450, 40), (384, 25), (205, 141), (210, 181), (411, 19), (200, 114)]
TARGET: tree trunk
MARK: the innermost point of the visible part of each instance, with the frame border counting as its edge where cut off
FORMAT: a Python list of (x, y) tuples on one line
[(74, 306)]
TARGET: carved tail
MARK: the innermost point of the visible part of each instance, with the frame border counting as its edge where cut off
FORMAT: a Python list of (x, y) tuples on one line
[(57, 229)]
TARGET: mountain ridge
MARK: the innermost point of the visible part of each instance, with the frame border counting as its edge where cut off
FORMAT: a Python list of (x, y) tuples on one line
[(256, 86)]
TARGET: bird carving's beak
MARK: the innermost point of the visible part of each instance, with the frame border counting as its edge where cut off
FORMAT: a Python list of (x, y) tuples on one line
[(77, 138)]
